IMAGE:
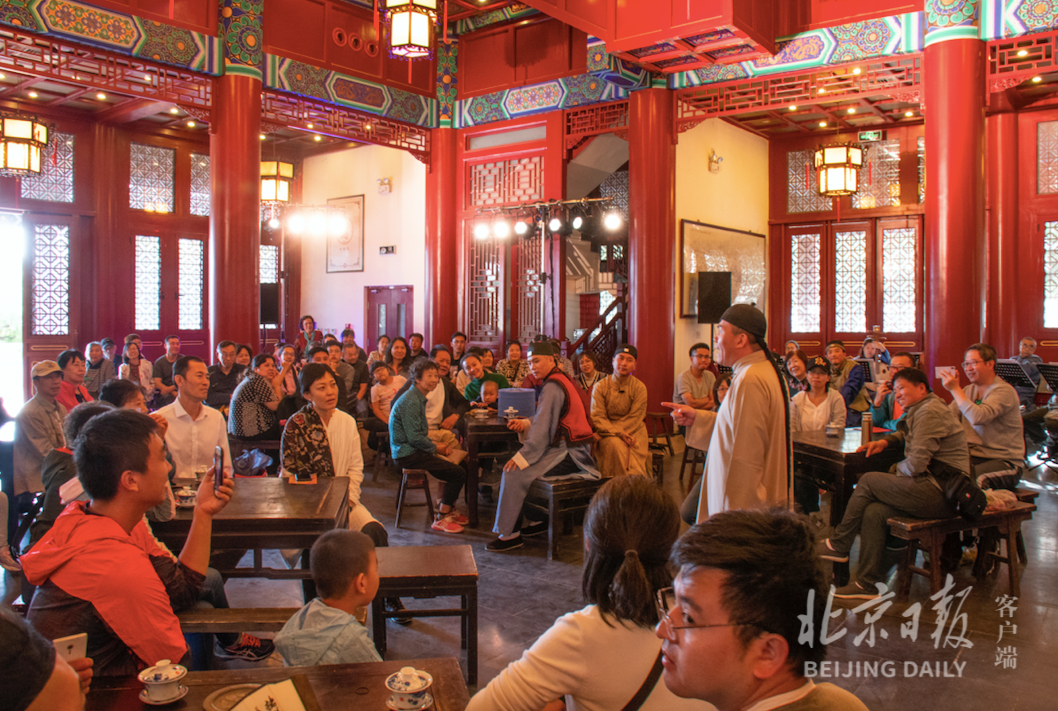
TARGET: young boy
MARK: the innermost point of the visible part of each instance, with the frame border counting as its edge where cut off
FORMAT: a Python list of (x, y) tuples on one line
[(490, 393), (386, 387), (325, 631)]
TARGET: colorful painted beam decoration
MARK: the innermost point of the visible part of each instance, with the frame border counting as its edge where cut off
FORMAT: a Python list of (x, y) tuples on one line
[(485, 19), (116, 31)]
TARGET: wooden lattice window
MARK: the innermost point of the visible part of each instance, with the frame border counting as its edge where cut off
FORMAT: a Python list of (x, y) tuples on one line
[(51, 280)]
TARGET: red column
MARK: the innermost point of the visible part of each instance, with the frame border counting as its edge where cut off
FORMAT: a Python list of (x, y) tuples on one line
[(234, 222), (954, 76), (652, 238), (443, 252), (1001, 319)]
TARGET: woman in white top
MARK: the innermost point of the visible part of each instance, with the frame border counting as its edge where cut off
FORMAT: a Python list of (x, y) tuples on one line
[(813, 410), (137, 369), (599, 657)]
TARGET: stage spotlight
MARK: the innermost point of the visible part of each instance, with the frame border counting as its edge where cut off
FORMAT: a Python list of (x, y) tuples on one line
[(481, 231), (337, 225), (578, 222), (296, 224), (273, 223), (501, 228), (555, 225), (612, 221), (521, 228)]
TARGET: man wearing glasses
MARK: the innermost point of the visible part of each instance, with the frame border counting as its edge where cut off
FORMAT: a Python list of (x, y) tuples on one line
[(934, 448), (989, 410), (731, 625)]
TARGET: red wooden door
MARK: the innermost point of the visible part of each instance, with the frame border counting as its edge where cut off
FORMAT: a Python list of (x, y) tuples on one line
[(388, 311), (170, 292)]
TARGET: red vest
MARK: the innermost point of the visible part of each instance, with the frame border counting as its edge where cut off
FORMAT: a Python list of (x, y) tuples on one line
[(573, 423)]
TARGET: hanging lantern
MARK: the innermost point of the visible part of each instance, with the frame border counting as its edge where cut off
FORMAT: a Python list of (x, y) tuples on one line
[(411, 27), (22, 140), (838, 167), (276, 177)]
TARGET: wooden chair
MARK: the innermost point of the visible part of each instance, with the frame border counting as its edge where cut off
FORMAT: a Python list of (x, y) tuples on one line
[(696, 457), (659, 424), (560, 499), (414, 479), (383, 457), (657, 468)]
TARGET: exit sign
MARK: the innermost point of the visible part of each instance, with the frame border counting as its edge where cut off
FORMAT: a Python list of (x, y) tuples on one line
[(868, 136)]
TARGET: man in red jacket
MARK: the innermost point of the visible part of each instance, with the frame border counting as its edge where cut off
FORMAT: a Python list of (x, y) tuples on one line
[(99, 569)]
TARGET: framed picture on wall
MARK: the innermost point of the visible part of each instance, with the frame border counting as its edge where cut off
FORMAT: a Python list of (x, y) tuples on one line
[(345, 252), (711, 248)]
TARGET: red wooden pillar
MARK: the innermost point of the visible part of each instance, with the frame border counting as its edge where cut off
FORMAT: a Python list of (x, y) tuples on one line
[(1001, 319), (955, 287), (235, 208), (652, 237), (443, 252)]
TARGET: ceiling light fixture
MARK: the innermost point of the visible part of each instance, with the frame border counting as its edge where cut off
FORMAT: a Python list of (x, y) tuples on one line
[(101, 96), (317, 138), (1023, 53), (852, 111), (276, 180), (793, 107), (190, 124), (1037, 80), (22, 140), (838, 166), (856, 70)]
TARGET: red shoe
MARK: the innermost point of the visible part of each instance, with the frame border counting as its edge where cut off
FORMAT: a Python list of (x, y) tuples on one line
[(454, 515), (444, 524)]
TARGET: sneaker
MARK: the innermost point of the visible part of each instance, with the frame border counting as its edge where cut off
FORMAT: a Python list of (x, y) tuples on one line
[(824, 551), (453, 515), (855, 591), (444, 524), (250, 648), (534, 529), (8, 562), (501, 546), (393, 604)]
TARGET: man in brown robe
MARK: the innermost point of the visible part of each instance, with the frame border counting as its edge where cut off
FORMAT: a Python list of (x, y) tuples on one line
[(618, 412)]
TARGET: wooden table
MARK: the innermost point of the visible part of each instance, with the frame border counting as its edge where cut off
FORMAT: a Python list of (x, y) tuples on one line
[(489, 429), (833, 464), (269, 513), (337, 686)]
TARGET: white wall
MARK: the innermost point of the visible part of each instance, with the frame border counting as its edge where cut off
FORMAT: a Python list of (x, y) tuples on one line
[(398, 219), (736, 197)]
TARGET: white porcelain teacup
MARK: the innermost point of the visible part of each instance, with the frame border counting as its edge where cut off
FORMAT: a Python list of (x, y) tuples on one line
[(185, 496), (408, 688), (163, 680)]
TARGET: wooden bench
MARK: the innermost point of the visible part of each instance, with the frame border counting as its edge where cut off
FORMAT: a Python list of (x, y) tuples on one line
[(694, 457), (657, 468), (244, 619), (560, 498), (929, 535), (428, 572), (659, 425), (414, 479)]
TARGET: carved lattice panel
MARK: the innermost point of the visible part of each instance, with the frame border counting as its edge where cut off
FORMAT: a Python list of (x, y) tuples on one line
[(615, 186), (921, 169), (530, 288), (850, 281), (55, 182), (802, 193), (804, 283), (1050, 275), (148, 283), (485, 297), (268, 266), (1047, 157), (899, 285), (880, 176), (191, 284), (151, 178), (200, 184), (51, 280), (507, 182)]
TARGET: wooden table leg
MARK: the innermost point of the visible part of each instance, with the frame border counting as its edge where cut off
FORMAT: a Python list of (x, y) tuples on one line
[(471, 488), (378, 624), (472, 636), (308, 585), (1012, 558)]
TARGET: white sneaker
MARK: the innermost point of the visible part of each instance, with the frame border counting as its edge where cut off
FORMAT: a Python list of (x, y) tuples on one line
[(8, 562)]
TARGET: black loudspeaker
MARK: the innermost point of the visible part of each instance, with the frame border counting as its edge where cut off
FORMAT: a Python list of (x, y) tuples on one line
[(269, 303), (714, 295)]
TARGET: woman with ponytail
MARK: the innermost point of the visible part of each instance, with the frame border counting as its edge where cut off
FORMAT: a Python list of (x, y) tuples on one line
[(605, 656)]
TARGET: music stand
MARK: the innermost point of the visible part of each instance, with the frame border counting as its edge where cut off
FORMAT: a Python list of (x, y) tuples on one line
[(1049, 371), (865, 365), (1014, 373)]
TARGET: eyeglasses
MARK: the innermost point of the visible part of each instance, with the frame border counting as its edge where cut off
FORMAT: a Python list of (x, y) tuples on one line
[(974, 363), (666, 603)]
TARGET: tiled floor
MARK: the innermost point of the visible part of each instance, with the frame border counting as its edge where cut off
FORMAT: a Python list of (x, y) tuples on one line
[(521, 593)]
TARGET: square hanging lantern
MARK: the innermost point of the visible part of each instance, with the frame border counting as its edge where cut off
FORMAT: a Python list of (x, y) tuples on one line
[(838, 167), (411, 27), (276, 177), (22, 141)]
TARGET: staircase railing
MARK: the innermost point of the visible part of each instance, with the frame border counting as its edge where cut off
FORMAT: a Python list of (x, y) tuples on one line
[(611, 334)]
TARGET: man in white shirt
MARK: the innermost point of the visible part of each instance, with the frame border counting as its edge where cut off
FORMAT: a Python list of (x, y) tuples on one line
[(694, 386), (195, 429)]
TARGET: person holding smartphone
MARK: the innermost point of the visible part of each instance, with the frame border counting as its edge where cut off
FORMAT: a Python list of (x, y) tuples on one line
[(885, 410), (195, 428)]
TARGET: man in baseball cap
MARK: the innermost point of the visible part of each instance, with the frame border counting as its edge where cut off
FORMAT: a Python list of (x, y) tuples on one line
[(618, 412), (748, 440), (39, 427)]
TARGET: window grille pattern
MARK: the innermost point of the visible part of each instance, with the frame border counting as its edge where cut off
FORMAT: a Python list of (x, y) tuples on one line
[(200, 184), (850, 282), (1050, 275), (530, 288), (507, 181), (879, 184), (51, 280), (148, 283), (616, 187), (486, 285), (55, 182), (269, 264), (151, 172), (804, 283), (1047, 157), (802, 191), (921, 169), (899, 286), (191, 282)]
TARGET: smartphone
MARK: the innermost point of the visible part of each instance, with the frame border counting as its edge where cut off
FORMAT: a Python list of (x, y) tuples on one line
[(218, 468), (73, 647), (941, 370)]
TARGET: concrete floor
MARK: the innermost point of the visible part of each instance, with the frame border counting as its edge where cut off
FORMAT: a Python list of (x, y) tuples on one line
[(521, 593)]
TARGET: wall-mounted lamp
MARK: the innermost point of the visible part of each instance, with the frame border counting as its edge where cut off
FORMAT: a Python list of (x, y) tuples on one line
[(714, 162), (385, 186)]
